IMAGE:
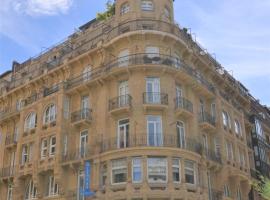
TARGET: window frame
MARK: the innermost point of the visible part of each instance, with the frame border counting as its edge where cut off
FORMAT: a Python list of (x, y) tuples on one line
[(193, 169), (43, 148), (147, 5), (166, 170), (52, 147), (138, 166), (30, 191), (49, 114), (125, 8), (52, 185), (25, 154), (115, 168), (179, 169), (30, 121)]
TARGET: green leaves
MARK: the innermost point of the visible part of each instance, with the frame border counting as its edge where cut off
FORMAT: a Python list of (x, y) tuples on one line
[(263, 187), (110, 11)]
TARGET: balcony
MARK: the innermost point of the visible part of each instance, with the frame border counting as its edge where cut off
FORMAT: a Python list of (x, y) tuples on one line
[(11, 140), (50, 91), (183, 107), (207, 122), (7, 172), (213, 157), (202, 86), (140, 141), (30, 100), (82, 117), (77, 155), (119, 105), (9, 113), (155, 101)]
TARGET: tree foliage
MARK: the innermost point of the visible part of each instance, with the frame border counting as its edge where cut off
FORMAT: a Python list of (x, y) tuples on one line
[(263, 187), (110, 11)]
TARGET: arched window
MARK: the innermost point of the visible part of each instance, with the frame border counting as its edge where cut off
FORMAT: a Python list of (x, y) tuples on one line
[(30, 121), (87, 73), (49, 114), (30, 191), (125, 8), (237, 127)]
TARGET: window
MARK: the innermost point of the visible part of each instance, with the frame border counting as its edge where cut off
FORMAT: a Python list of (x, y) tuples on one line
[(238, 194), (227, 192), (31, 191), (30, 121), (125, 8), (242, 158), (123, 133), (154, 131), (167, 13), (10, 192), (190, 172), (80, 185), (237, 127), (52, 145), (147, 6), (137, 170), (83, 143), (52, 187), (44, 148), (123, 58), (24, 154), (229, 149), (66, 107), (217, 147), (181, 140), (176, 170), (119, 171), (30, 157), (226, 120), (152, 51), (258, 127), (103, 174), (87, 72), (50, 114), (123, 91), (213, 110), (157, 170), (153, 91), (205, 144)]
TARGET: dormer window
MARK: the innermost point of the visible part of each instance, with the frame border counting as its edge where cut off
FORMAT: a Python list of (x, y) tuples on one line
[(125, 8), (147, 5)]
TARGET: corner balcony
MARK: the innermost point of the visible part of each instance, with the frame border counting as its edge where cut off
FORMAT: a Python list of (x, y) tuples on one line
[(183, 107), (11, 140), (120, 105), (82, 117), (139, 141), (155, 101), (207, 122)]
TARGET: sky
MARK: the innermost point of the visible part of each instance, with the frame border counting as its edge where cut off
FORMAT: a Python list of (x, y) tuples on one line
[(236, 32)]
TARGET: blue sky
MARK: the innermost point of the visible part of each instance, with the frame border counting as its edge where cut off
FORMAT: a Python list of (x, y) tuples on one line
[(236, 31)]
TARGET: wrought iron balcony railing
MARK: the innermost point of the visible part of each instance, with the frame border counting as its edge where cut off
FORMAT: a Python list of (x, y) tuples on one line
[(77, 154), (205, 117), (84, 114), (51, 90), (213, 156), (155, 98), (120, 102), (182, 103), (171, 141)]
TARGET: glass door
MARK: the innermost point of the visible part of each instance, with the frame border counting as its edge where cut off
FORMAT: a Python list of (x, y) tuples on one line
[(153, 90), (83, 143), (179, 101), (181, 134), (123, 92), (84, 106), (154, 131), (80, 195), (123, 134)]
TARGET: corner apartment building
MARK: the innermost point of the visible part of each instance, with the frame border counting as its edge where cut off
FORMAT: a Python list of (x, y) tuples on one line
[(139, 101)]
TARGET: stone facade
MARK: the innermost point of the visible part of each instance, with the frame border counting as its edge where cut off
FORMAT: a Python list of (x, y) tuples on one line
[(156, 116)]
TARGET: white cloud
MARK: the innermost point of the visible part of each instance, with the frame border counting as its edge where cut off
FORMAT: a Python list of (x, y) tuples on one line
[(42, 7)]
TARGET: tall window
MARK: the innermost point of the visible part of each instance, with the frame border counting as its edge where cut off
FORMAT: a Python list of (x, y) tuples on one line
[(190, 172), (137, 170), (227, 192), (153, 90), (258, 127), (123, 58), (123, 133), (226, 120), (103, 174), (213, 110), (10, 192), (157, 170), (80, 185), (238, 194), (30, 121), (123, 91), (24, 154), (125, 8), (52, 187), (154, 131), (52, 145), (147, 5), (44, 148), (181, 140), (229, 149), (87, 72), (217, 147), (176, 170), (83, 143), (119, 171), (50, 114), (30, 149), (205, 144), (30, 191), (237, 127), (242, 157)]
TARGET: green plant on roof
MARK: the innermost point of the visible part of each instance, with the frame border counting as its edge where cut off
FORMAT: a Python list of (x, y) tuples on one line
[(110, 11), (263, 187)]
